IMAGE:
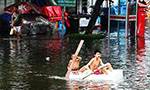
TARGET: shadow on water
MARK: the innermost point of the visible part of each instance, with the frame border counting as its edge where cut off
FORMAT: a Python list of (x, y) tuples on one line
[(24, 63)]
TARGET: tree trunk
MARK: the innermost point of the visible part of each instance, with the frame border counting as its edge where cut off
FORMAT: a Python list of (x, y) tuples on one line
[(95, 14)]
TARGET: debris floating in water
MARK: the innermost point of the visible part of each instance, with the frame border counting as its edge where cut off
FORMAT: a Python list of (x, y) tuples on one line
[(47, 58)]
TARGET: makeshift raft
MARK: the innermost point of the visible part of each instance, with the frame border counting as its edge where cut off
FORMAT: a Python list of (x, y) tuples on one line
[(115, 75)]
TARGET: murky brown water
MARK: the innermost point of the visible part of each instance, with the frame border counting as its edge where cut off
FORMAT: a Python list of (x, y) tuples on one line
[(23, 63)]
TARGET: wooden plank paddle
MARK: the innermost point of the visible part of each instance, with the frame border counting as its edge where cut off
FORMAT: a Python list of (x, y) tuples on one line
[(100, 67), (76, 54)]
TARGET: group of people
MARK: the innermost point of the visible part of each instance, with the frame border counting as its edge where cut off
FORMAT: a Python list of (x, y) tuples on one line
[(92, 66)]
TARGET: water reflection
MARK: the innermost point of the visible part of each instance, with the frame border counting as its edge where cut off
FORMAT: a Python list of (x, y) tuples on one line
[(87, 85), (13, 66), (135, 69), (141, 73), (55, 48), (23, 63)]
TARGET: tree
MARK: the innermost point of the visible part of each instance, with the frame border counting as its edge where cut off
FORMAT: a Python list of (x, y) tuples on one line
[(95, 14)]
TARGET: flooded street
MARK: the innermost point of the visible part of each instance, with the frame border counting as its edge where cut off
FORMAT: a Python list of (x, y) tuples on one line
[(24, 64)]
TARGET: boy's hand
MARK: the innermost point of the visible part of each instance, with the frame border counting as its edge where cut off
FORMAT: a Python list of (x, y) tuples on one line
[(12, 25), (74, 56), (79, 58)]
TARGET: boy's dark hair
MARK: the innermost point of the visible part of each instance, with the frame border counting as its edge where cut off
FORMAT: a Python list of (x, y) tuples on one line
[(97, 51)]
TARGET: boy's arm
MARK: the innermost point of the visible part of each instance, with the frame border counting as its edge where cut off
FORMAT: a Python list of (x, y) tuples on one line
[(12, 21), (79, 58), (21, 21), (87, 66), (101, 62), (145, 2)]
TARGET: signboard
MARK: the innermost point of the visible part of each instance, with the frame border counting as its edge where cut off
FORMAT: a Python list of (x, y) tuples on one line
[(66, 3)]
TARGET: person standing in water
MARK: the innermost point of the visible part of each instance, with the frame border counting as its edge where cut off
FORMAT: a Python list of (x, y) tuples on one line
[(16, 23)]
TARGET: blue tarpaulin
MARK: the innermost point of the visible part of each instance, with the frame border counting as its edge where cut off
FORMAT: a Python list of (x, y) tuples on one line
[(7, 18), (114, 10)]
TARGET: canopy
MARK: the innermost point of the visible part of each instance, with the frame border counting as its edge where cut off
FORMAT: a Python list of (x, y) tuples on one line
[(23, 7), (54, 13)]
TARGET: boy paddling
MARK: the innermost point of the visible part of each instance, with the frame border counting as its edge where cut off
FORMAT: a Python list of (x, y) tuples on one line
[(75, 66), (74, 58), (94, 64)]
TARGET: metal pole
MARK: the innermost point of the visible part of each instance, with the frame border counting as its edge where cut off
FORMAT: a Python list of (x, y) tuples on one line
[(109, 20), (136, 17), (62, 32), (126, 22), (5, 3), (119, 8)]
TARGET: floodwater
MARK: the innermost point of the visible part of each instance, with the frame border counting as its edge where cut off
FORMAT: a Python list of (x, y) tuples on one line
[(39, 63)]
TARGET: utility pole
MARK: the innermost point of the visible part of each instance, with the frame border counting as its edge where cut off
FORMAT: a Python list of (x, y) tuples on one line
[(95, 14)]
